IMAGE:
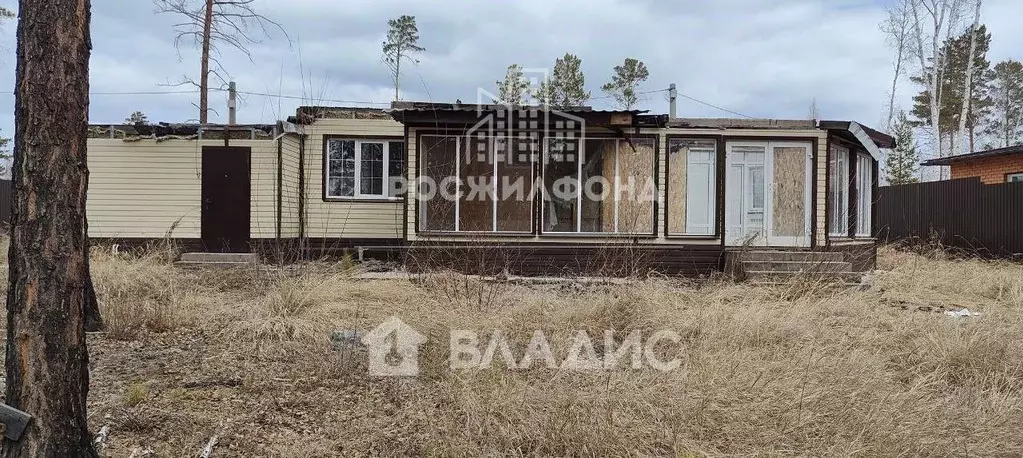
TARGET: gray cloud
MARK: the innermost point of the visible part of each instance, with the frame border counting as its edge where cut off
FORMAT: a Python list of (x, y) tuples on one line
[(767, 59)]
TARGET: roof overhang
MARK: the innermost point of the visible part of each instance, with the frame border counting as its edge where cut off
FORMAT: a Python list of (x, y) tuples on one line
[(870, 139), (452, 115), (975, 156)]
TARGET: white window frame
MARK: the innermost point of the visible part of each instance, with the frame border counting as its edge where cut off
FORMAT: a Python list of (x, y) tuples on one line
[(358, 194), (864, 194), (580, 160), (1016, 177), (838, 169)]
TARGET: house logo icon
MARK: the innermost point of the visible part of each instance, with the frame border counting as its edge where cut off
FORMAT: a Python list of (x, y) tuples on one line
[(393, 349)]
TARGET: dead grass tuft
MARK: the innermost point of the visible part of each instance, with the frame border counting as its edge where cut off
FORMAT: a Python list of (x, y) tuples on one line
[(794, 369), (142, 293)]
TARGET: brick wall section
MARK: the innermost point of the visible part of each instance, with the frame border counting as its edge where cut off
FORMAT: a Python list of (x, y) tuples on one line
[(990, 170)]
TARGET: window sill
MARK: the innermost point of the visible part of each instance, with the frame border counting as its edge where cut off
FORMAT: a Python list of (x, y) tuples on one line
[(467, 234), (692, 237), (366, 200), (590, 235)]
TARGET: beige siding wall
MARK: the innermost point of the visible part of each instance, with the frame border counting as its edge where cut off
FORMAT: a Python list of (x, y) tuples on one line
[(263, 199), (150, 189), (290, 192), (348, 219), (801, 135)]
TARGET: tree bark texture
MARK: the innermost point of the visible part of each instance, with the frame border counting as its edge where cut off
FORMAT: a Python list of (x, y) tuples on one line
[(47, 360), (204, 77)]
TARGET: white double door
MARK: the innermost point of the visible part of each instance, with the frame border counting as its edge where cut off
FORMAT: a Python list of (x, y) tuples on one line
[(768, 194)]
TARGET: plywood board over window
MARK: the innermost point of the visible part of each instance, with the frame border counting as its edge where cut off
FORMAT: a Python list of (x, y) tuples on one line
[(789, 202), (636, 188), (692, 187)]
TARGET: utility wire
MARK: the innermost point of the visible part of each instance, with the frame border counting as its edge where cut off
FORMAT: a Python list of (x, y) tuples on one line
[(312, 99), (363, 102), (714, 106)]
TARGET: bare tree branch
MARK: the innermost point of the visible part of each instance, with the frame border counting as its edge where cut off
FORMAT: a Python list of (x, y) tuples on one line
[(207, 24)]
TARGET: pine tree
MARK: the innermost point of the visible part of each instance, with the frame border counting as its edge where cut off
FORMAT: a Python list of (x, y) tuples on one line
[(955, 52), (402, 42), (47, 364), (514, 89), (901, 163), (627, 77), (566, 87), (1006, 120)]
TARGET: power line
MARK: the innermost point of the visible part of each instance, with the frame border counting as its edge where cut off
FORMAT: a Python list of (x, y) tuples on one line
[(714, 106), (138, 92), (313, 99)]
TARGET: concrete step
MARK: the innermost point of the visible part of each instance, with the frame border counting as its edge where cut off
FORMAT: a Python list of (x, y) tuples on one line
[(779, 255), (774, 277), (219, 258), (796, 266)]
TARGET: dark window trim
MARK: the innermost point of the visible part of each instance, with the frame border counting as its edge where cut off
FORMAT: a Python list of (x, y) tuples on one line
[(718, 188), (536, 210), (656, 137), (323, 166)]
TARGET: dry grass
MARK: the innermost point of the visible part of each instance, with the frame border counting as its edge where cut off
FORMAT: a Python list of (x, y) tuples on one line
[(770, 371)]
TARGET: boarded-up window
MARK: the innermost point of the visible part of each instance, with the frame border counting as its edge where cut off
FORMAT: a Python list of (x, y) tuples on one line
[(788, 211), (692, 187), (636, 188)]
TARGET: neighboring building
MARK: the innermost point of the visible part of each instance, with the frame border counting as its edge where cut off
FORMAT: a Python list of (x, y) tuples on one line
[(1002, 165), (326, 181)]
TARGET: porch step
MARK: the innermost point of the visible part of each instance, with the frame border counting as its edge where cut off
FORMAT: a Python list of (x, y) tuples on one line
[(773, 267), (218, 259)]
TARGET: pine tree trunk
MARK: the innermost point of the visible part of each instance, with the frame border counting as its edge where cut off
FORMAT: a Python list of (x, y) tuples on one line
[(204, 76), (47, 359)]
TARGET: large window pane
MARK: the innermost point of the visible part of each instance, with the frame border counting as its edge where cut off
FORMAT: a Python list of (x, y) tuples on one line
[(371, 172), (439, 182), (598, 186), (561, 182), (341, 168), (865, 189), (476, 204), (396, 169), (838, 193), (514, 185)]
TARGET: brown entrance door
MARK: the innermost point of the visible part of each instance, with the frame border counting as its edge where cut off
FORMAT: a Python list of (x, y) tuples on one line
[(225, 199)]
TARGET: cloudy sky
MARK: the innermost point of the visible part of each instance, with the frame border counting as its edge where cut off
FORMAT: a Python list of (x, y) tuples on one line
[(760, 58)]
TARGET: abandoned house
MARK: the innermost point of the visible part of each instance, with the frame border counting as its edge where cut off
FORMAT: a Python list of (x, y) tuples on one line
[(497, 189)]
